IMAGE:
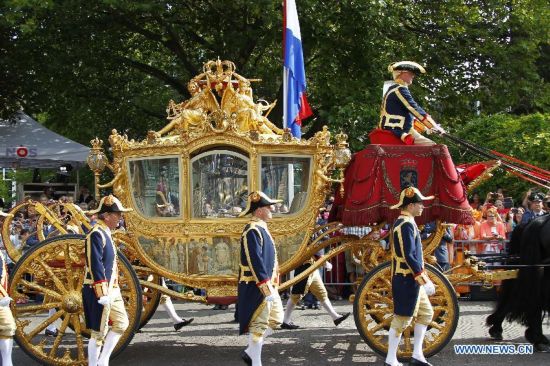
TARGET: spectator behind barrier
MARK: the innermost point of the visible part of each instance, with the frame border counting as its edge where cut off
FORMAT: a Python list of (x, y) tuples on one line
[(535, 207), (513, 219)]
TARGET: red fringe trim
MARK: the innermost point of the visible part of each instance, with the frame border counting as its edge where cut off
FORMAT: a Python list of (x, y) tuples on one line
[(380, 213)]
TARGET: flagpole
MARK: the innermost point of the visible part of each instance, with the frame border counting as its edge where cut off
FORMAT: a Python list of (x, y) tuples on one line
[(285, 79), (285, 97)]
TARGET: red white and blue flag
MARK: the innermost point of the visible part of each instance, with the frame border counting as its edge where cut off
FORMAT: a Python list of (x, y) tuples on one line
[(296, 107)]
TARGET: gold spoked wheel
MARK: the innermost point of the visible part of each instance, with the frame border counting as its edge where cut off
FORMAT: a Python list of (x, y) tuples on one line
[(50, 277), (13, 252), (373, 312)]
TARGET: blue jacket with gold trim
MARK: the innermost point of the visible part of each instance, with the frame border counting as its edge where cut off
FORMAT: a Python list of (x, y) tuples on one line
[(407, 263), (399, 110), (101, 271), (258, 266), (101, 258)]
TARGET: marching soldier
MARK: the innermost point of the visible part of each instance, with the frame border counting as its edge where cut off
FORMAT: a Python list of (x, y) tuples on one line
[(7, 323), (259, 306), (314, 284), (166, 304), (101, 294), (399, 112), (411, 285)]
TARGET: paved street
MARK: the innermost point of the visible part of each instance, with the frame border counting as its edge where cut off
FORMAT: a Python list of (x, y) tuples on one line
[(212, 340)]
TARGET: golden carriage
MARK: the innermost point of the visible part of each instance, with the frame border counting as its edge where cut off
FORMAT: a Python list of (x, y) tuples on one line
[(187, 184)]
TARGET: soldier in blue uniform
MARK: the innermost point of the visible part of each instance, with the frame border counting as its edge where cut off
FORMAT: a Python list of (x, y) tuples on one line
[(259, 307), (7, 322), (101, 295), (411, 285), (399, 111)]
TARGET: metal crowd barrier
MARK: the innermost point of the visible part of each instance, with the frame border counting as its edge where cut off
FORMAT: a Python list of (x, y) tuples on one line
[(482, 244)]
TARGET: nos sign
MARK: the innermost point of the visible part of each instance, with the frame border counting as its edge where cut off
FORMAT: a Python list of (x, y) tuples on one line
[(21, 152)]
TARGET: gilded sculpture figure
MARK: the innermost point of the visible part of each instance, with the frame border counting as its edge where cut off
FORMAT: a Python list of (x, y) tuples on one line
[(250, 114), (192, 112), (234, 98)]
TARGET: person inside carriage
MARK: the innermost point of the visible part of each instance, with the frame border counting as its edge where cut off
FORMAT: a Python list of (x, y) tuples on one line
[(399, 113)]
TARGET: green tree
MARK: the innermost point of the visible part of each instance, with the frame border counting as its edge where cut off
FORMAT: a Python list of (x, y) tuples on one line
[(83, 68), (523, 137)]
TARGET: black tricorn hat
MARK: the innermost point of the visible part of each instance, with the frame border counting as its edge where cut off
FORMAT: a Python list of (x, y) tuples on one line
[(109, 204), (410, 195), (256, 200), (407, 66), (536, 197)]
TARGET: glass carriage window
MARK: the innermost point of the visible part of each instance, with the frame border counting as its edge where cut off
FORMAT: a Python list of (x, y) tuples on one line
[(286, 178), (156, 187), (219, 181)]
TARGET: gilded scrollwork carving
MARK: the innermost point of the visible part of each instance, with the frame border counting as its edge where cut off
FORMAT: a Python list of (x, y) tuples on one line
[(118, 142), (220, 115), (323, 136)]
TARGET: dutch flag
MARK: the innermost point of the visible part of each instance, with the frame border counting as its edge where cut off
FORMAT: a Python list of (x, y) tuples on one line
[(295, 105)]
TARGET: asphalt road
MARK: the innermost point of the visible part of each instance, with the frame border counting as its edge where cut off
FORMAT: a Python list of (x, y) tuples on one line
[(212, 340)]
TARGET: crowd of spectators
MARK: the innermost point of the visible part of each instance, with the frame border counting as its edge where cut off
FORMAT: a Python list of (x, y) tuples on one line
[(497, 216), (23, 228)]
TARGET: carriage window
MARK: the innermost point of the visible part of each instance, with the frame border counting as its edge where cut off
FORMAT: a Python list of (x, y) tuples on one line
[(286, 178), (156, 187), (220, 184)]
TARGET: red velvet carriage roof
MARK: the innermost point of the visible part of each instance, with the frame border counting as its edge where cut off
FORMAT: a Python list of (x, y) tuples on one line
[(375, 175)]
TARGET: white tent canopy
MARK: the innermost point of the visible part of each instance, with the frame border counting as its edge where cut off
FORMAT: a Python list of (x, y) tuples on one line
[(28, 144)]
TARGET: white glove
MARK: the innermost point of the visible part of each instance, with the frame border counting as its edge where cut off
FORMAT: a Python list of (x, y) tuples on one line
[(429, 287), (104, 300), (328, 266), (5, 301), (436, 127), (271, 296)]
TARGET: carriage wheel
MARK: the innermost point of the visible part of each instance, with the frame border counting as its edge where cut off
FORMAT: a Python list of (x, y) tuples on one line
[(373, 312), (51, 275), (13, 252)]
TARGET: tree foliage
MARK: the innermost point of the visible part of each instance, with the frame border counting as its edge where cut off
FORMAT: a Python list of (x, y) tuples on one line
[(516, 136), (83, 68)]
